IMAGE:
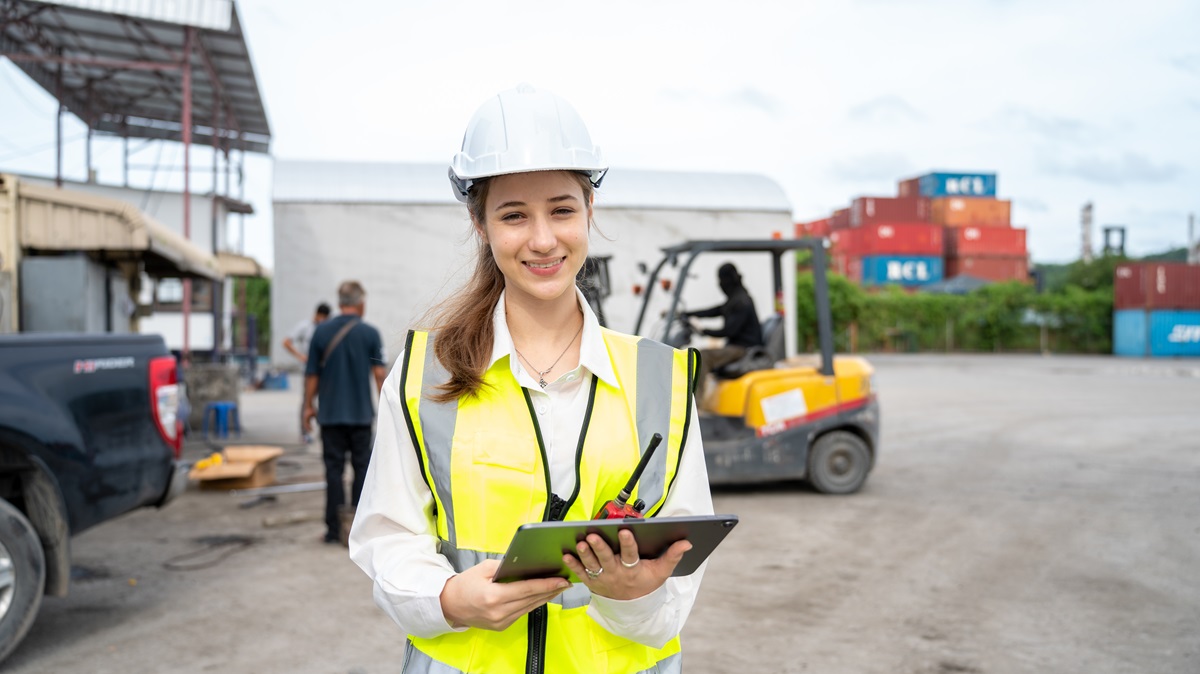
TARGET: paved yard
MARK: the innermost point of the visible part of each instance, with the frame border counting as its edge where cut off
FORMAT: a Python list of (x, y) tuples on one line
[(1027, 514)]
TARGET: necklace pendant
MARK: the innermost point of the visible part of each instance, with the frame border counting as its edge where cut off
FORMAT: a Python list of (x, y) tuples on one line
[(542, 382)]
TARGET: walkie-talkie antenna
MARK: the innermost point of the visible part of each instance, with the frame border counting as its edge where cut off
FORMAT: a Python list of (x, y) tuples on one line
[(623, 497)]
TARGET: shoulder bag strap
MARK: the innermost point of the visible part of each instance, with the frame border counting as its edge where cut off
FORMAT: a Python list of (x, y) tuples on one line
[(337, 339)]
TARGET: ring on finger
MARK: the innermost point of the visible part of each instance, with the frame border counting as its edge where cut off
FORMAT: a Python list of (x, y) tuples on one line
[(630, 565), (594, 574)]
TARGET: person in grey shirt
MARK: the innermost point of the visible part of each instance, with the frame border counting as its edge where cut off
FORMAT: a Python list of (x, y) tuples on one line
[(297, 344)]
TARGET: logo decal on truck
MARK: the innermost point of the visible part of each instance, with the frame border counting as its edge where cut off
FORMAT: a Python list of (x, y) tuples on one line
[(97, 364)]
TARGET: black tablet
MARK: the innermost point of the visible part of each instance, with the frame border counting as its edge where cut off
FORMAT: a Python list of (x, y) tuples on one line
[(537, 549)]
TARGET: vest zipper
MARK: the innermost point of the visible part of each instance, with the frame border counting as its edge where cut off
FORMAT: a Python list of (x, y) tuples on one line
[(537, 641)]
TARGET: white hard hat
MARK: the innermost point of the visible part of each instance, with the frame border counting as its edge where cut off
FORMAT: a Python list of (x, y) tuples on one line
[(524, 129)]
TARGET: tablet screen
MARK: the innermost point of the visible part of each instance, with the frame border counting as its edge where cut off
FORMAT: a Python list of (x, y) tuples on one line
[(537, 549)]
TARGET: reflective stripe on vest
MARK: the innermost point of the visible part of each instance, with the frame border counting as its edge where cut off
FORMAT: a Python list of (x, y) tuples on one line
[(485, 462)]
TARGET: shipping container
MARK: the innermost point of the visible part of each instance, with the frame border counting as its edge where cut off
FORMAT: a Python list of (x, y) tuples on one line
[(1156, 285), (1129, 333), (840, 219), (906, 270), (895, 238), (957, 185), (1159, 333), (1010, 268), (985, 241), (909, 188), (960, 212), (815, 228), (872, 210), (850, 267)]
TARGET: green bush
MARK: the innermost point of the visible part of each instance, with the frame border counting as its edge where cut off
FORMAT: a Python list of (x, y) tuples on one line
[(997, 317)]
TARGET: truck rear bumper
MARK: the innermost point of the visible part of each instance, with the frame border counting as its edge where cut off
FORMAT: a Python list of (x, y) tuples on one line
[(179, 481)]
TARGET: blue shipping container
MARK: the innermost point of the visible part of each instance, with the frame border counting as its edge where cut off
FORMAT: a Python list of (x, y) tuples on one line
[(906, 270), (1175, 333), (958, 185), (1164, 333), (1129, 333)]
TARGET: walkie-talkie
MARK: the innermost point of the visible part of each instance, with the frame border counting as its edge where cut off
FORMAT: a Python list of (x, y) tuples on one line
[(620, 508)]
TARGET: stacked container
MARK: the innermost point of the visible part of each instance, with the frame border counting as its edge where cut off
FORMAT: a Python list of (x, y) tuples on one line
[(980, 239), (939, 225), (1156, 309)]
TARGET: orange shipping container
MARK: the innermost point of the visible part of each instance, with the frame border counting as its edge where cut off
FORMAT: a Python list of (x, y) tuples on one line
[(971, 212), (816, 228)]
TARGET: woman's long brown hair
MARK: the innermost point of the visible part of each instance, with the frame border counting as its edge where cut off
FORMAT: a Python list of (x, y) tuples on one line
[(464, 323)]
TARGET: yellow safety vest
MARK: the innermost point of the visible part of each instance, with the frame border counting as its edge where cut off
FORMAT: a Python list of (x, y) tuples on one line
[(483, 458)]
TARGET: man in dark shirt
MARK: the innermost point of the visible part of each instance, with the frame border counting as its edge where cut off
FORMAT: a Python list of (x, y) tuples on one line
[(741, 329), (343, 356)]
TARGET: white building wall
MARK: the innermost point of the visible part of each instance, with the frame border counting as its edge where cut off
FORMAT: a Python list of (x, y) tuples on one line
[(404, 255), (409, 255)]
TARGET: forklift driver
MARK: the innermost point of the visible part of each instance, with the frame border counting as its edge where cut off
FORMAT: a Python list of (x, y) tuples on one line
[(741, 329)]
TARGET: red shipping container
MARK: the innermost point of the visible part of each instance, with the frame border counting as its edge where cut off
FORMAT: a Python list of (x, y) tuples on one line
[(1011, 268), (1156, 285), (985, 241), (850, 267), (840, 219), (841, 241), (893, 238), (971, 212), (815, 228), (872, 210), (910, 187), (1129, 286)]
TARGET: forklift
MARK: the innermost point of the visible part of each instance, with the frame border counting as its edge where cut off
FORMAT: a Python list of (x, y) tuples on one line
[(768, 416)]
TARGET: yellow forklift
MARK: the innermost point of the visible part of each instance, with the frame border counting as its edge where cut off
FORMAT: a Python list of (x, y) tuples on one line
[(769, 416)]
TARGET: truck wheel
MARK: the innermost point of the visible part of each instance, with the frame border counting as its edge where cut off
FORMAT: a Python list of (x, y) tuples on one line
[(838, 463), (22, 577)]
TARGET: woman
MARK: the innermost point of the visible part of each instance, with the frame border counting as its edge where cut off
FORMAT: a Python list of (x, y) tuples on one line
[(518, 407)]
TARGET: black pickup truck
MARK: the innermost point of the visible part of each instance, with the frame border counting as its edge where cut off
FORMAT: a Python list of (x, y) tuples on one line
[(89, 430)]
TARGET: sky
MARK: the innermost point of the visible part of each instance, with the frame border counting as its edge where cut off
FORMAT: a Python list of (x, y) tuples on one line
[(1067, 101)]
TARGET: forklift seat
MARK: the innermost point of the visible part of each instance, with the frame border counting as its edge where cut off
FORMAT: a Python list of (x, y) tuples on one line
[(758, 357)]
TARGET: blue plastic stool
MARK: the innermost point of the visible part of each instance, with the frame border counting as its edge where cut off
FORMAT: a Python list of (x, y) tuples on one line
[(220, 414)]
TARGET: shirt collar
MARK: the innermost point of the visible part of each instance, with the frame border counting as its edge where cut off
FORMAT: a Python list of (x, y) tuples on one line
[(593, 353)]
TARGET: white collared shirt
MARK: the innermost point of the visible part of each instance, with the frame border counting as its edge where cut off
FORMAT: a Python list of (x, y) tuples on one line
[(392, 541)]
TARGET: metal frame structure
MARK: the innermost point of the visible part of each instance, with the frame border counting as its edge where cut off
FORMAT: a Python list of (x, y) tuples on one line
[(776, 248), (144, 76)]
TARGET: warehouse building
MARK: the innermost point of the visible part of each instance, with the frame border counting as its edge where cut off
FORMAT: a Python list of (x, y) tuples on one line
[(398, 229)]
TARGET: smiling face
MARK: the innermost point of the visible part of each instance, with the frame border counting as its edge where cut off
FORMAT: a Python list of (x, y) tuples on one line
[(536, 224)]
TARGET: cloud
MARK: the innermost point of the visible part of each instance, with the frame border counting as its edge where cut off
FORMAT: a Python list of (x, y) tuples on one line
[(1032, 205), (881, 166), (746, 97), (1050, 126), (1189, 63), (888, 109), (1128, 168), (755, 98)]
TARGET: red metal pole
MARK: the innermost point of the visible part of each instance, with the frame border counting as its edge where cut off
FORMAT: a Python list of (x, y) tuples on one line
[(187, 193)]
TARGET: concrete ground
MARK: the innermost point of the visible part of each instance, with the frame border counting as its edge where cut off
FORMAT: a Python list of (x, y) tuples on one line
[(1027, 514)]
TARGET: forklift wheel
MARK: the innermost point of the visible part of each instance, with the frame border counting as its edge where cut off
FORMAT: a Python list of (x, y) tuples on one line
[(838, 463)]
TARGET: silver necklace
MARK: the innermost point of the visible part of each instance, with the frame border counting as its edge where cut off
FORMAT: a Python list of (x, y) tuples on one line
[(542, 373)]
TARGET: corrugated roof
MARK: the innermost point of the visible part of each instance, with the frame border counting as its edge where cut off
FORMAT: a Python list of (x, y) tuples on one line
[(121, 63), (395, 183)]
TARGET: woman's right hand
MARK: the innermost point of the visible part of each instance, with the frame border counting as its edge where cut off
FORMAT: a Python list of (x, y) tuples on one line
[(472, 599)]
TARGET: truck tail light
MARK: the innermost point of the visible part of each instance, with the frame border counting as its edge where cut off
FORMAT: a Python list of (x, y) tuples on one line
[(164, 401)]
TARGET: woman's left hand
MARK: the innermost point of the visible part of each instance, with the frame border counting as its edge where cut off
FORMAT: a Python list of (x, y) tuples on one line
[(622, 575)]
